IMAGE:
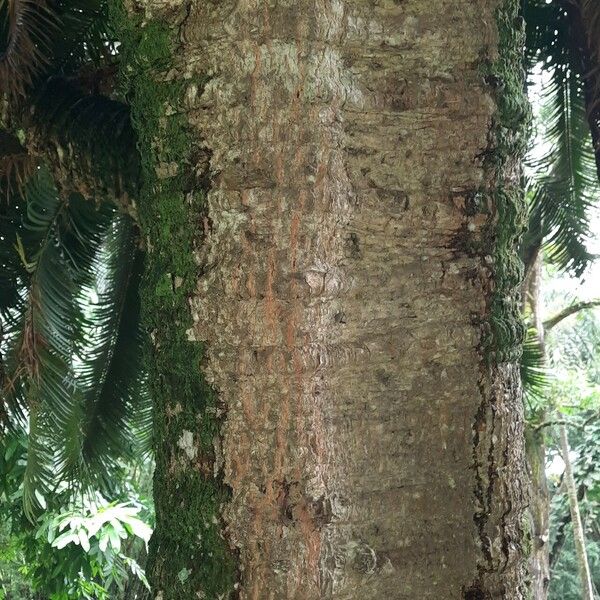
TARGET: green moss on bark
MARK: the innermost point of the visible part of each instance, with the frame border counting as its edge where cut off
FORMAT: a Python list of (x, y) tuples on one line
[(506, 77), (188, 556), (503, 339)]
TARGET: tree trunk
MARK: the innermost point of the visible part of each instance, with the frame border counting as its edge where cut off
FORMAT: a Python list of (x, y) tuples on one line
[(539, 503), (348, 171), (587, 589), (539, 508)]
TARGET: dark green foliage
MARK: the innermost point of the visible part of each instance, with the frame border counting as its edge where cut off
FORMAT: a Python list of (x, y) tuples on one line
[(58, 62), (70, 339), (40, 39), (79, 547), (565, 582), (26, 28), (564, 184), (110, 375), (563, 181), (71, 368), (95, 129), (534, 370)]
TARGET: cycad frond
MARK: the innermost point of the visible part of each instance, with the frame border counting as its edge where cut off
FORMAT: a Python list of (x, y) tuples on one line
[(38, 469), (16, 164), (564, 182), (60, 82), (89, 140), (85, 37), (39, 331), (41, 39), (534, 369), (39, 328), (548, 32), (590, 24), (70, 369), (111, 376), (69, 364), (26, 30)]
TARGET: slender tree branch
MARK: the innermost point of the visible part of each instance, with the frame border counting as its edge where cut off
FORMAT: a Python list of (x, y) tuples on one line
[(557, 422), (591, 419), (565, 422), (567, 312), (551, 423)]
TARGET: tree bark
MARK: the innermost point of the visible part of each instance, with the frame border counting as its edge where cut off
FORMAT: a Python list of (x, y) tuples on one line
[(356, 296), (539, 508), (539, 504), (587, 589)]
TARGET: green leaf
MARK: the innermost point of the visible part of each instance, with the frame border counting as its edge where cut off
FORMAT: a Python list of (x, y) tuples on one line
[(535, 374), (74, 368), (83, 539), (69, 537), (563, 185), (115, 540), (138, 527), (103, 540)]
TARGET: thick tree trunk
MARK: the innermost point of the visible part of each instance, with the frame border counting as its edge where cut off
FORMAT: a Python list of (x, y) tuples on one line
[(356, 296)]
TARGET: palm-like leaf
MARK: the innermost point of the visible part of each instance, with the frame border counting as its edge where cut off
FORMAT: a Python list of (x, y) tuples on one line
[(38, 472), (564, 182), (70, 369), (39, 335), (90, 131), (73, 370), (590, 24), (534, 369), (41, 39), (563, 186), (111, 375), (86, 38), (25, 36), (57, 67)]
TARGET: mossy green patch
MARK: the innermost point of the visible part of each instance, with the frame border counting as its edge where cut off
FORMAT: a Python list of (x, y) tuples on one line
[(508, 142), (188, 497)]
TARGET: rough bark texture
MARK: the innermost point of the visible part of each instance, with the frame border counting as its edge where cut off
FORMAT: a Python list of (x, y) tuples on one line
[(539, 509), (539, 502), (356, 296)]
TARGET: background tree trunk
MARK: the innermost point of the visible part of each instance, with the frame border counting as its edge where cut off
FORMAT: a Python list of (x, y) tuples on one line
[(587, 591), (356, 295), (539, 503), (539, 508)]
